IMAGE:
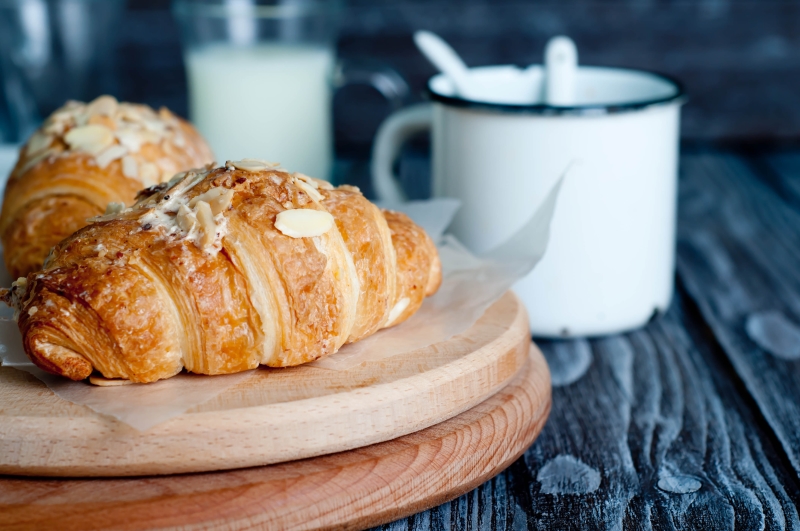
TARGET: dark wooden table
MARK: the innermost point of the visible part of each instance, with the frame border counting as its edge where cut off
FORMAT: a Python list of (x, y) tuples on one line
[(694, 421)]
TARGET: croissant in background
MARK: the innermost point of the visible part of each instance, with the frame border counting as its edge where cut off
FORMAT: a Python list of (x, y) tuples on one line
[(84, 157), (221, 270)]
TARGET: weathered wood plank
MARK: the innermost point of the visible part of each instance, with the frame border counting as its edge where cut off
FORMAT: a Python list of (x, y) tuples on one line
[(739, 250), (647, 431), (784, 173)]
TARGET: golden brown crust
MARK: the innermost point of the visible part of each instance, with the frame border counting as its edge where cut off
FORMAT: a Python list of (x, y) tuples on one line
[(142, 294), (307, 277), (365, 232), (418, 266), (78, 309), (42, 224), (52, 191)]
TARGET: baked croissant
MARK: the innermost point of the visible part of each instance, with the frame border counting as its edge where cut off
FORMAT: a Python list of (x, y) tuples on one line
[(84, 157), (220, 270)]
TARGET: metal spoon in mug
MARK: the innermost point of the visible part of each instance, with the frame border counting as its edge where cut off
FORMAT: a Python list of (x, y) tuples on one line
[(561, 70), (443, 57), (555, 82)]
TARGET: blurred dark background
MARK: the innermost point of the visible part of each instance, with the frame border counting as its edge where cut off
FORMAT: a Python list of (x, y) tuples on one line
[(740, 60)]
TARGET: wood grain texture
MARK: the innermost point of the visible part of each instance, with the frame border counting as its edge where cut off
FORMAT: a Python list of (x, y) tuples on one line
[(666, 402), (782, 171), (647, 432), (274, 416), (654, 429), (739, 249), (350, 490)]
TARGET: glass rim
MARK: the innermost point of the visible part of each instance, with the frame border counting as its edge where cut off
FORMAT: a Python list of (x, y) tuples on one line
[(222, 9)]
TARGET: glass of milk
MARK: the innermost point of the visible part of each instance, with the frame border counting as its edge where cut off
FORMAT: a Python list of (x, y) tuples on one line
[(260, 76)]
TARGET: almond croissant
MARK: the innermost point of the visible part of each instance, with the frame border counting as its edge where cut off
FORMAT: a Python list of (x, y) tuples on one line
[(84, 157), (221, 270)]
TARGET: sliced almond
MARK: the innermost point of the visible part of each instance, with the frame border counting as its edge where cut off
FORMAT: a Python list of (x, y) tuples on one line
[(130, 113), (130, 138), (315, 183), (156, 126), (103, 106), (397, 310), (149, 174), (149, 137), (305, 178), (110, 155), (303, 222), (130, 168), (165, 114), (251, 164), (179, 140), (38, 142), (108, 382), (263, 161), (185, 218), (21, 284), (114, 208), (183, 182), (62, 115), (219, 199), (178, 177), (206, 220), (311, 192), (99, 119), (54, 127), (81, 119), (89, 138), (146, 111)]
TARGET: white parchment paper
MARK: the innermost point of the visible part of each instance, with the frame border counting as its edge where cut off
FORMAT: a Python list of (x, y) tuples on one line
[(470, 285)]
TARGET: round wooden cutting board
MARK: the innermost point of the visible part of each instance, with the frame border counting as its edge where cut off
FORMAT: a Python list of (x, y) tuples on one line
[(276, 415), (349, 490)]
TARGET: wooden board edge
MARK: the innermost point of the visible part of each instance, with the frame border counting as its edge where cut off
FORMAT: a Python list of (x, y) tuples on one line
[(422, 505), (266, 501), (513, 353)]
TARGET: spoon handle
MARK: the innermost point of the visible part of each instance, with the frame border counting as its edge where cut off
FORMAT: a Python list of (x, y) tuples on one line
[(561, 66), (443, 57)]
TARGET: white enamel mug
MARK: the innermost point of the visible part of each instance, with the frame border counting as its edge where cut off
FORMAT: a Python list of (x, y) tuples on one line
[(610, 262)]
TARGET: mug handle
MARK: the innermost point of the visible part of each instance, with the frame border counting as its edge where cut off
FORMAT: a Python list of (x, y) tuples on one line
[(389, 140), (385, 80)]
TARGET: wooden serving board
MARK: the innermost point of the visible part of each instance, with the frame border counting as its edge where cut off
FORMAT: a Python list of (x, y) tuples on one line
[(277, 415), (349, 490)]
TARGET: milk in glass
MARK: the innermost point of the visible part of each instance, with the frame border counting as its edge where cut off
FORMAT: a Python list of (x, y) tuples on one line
[(268, 101)]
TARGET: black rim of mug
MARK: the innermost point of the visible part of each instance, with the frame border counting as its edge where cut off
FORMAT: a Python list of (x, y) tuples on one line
[(577, 110)]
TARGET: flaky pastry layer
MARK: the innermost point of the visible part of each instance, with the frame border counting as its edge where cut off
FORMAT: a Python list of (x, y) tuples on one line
[(63, 178), (198, 276)]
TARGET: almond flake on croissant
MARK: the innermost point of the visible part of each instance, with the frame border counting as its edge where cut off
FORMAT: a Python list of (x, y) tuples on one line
[(200, 274), (84, 157)]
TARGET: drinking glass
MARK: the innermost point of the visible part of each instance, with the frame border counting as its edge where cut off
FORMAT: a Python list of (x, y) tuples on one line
[(261, 77), (52, 51)]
